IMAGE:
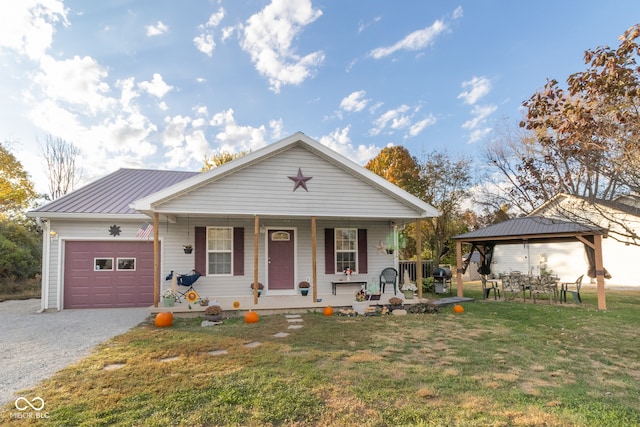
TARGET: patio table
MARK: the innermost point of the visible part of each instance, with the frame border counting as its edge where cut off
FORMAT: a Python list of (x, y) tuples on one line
[(335, 283)]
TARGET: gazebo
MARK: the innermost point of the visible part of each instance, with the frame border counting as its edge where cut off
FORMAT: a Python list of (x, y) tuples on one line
[(534, 230)]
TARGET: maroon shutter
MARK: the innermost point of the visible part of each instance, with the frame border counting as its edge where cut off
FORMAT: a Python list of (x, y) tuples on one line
[(238, 251), (329, 253), (201, 250), (362, 251)]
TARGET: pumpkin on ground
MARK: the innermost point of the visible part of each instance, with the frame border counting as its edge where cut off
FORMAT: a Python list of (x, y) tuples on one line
[(458, 308), (328, 311), (251, 317), (164, 319)]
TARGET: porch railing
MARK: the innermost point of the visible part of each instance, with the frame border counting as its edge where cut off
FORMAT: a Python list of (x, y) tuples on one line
[(410, 266)]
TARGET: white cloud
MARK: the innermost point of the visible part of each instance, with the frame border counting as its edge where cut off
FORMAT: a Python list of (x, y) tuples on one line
[(27, 26), (476, 88), (394, 119), (457, 13), (235, 138), (156, 30), (339, 141), (77, 81), (364, 25), (156, 87), (268, 37), (418, 127), (480, 113), (415, 41), (205, 44), (354, 102)]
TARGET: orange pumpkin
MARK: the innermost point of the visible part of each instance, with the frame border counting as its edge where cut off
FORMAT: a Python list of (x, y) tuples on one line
[(328, 311), (164, 319), (251, 317), (458, 308)]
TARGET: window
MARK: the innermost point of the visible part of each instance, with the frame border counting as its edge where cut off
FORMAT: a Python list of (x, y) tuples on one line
[(126, 264), (346, 244), (103, 264), (219, 250)]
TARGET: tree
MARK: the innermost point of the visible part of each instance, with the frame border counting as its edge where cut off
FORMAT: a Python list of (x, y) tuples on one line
[(397, 166), (220, 158), (60, 158), (581, 140), (16, 190), (20, 250)]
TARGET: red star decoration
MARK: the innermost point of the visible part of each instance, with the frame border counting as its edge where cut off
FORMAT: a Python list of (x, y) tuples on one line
[(300, 180)]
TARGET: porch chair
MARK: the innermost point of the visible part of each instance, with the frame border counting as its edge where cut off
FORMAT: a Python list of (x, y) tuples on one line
[(564, 288), (488, 286), (542, 286), (511, 285), (389, 275)]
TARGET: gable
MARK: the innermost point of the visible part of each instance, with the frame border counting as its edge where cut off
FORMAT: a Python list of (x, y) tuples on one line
[(264, 187)]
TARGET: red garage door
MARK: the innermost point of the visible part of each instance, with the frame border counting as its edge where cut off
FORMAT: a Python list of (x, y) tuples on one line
[(108, 274)]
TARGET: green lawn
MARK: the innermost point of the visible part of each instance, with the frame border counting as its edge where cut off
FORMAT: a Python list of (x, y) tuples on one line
[(496, 364)]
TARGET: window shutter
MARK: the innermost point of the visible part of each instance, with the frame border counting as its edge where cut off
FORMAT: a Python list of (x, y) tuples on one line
[(201, 250), (329, 254), (238, 251), (362, 251)]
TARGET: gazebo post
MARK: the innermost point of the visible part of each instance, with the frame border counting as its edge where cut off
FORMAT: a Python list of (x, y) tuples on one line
[(459, 269), (597, 243)]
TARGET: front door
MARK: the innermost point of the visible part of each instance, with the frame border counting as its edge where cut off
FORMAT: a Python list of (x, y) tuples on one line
[(281, 259)]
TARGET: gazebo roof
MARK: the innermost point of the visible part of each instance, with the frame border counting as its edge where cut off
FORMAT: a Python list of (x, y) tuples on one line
[(531, 229)]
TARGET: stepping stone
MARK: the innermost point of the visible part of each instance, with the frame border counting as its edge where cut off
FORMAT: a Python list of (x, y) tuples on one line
[(253, 344), (113, 366), (281, 335), (295, 327), (295, 320), (207, 323), (217, 352), (292, 316), (170, 359)]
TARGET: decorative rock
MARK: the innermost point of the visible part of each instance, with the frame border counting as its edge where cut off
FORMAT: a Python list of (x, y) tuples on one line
[(399, 312), (206, 323)]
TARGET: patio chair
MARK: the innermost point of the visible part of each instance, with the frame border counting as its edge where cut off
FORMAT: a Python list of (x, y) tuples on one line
[(488, 286), (389, 275), (186, 280), (564, 288), (511, 285), (542, 286)]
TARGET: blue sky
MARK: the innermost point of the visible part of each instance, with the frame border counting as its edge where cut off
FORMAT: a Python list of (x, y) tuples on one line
[(162, 84)]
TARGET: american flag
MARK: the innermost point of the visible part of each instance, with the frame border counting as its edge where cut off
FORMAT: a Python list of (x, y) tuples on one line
[(145, 230)]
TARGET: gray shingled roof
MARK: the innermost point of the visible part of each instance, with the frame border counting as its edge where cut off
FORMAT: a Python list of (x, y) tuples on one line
[(113, 193), (521, 228)]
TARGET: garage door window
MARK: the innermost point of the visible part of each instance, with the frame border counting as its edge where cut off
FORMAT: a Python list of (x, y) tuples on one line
[(127, 264), (103, 264)]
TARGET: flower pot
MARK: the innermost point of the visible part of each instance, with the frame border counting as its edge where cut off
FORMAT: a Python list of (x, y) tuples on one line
[(360, 306), (168, 301), (187, 250), (408, 294), (304, 291)]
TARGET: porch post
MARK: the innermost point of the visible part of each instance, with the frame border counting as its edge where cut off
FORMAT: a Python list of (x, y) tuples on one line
[(459, 268), (256, 235), (156, 260), (419, 257), (602, 302), (314, 269)]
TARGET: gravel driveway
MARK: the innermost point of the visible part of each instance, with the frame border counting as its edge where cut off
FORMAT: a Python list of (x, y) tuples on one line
[(35, 346)]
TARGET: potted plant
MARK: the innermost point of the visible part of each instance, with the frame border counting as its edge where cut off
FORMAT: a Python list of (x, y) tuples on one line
[(187, 248), (304, 288), (213, 313), (408, 289), (203, 302), (169, 297), (260, 288), (360, 304), (395, 303)]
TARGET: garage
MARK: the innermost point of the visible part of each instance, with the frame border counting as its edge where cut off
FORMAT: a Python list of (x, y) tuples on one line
[(108, 274)]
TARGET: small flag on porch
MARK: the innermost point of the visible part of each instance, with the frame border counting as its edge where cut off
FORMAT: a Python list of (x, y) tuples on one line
[(145, 230)]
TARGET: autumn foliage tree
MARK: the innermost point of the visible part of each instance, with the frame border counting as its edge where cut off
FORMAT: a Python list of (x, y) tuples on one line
[(16, 190), (581, 138)]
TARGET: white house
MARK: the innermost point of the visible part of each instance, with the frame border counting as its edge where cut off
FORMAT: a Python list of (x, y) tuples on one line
[(568, 260), (292, 211)]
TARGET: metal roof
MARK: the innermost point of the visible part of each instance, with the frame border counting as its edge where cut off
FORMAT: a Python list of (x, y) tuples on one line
[(529, 228), (113, 193)]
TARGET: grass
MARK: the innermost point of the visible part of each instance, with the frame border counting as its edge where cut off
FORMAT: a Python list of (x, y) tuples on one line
[(497, 364), (14, 289)]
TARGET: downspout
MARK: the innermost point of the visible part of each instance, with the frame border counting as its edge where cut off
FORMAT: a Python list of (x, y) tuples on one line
[(44, 279)]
